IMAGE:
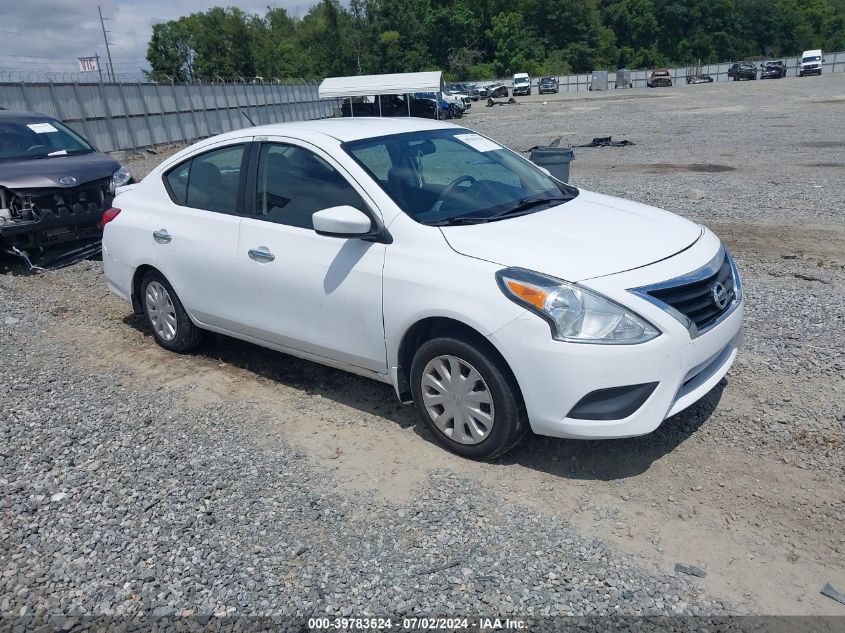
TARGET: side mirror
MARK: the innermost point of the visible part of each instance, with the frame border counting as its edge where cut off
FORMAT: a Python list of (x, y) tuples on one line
[(342, 221)]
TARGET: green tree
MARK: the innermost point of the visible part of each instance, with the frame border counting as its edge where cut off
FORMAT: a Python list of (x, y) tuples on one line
[(171, 52), (483, 39), (512, 39)]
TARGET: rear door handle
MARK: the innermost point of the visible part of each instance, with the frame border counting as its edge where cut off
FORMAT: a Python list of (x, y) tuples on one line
[(261, 254), (162, 236)]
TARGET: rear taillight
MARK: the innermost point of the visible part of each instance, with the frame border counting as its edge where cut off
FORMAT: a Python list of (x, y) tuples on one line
[(108, 216)]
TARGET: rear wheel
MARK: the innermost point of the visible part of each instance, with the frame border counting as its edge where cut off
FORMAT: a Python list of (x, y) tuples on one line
[(171, 326), (467, 397)]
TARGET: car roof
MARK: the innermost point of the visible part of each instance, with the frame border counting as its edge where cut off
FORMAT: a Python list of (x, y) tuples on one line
[(346, 128), (11, 116)]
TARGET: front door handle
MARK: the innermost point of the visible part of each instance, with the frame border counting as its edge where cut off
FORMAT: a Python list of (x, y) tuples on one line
[(162, 236), (261, 254)]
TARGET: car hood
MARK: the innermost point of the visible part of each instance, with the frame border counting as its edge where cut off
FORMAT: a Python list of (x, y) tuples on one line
[(591, 236), (47, 172)]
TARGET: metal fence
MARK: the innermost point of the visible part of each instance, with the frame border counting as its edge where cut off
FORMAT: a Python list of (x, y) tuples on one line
[(834, 62), (121, 116)]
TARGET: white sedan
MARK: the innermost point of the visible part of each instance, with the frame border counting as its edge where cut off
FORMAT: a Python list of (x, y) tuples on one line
[(432, 258)]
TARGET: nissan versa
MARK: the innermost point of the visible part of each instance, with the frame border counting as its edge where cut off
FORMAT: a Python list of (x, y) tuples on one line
[(432, 258)]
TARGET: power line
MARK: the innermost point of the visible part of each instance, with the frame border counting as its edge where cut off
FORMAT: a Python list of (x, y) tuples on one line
[(84, 15), (39, 20)]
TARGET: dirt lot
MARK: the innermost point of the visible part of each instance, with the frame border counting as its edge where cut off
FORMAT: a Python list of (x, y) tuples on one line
[(747, 484)]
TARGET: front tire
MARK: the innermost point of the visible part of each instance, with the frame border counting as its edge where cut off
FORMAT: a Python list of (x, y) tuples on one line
[(467, 398), (171, 326)]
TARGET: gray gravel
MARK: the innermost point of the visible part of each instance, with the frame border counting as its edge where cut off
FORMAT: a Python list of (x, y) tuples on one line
[(121, 495), (118, 499)]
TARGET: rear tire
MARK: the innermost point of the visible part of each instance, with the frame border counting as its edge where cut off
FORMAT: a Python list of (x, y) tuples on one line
[(471, 394), (171, 326)]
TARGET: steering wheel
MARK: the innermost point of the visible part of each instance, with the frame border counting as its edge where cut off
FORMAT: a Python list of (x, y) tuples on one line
[(453, 185), (32, 147)]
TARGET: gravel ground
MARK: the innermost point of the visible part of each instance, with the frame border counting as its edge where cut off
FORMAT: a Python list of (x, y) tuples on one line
[(241, 481), (117, 499)]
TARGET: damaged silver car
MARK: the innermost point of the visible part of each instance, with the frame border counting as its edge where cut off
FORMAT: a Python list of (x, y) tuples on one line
[(54, 188)]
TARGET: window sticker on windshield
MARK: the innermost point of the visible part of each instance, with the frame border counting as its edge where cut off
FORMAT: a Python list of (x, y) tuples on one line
[(42, 128), (478, 142)]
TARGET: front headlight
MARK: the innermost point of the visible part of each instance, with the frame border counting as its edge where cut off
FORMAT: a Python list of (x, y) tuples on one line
[(119, 178), (575, 314)]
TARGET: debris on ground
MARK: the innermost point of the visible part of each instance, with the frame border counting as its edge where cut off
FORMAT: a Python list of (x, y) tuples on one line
[(690, 570), (492, 102), (804, 277), (830, 592), (607, 141)]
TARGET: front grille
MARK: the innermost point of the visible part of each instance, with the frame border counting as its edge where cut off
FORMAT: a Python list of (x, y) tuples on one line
[(35, 204), (696, 299)]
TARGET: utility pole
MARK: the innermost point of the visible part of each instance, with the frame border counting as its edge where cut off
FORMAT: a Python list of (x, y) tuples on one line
[(106, 40)]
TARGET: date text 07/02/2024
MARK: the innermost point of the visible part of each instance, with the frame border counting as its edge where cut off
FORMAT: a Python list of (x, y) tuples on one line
[(414, 623)]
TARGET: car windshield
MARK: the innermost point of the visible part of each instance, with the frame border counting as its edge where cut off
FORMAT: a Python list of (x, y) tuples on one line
[(30, 140), (521, 80), (442, 177), (814, 58)]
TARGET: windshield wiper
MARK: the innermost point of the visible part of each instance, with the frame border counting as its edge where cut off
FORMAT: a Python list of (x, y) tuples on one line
[(458, 221), (526, 204), (522, 207)]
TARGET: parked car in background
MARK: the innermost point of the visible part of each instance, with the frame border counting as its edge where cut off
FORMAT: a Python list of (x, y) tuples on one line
[(548, 85), (496, 90), (470, 90), (54, 188), (773, 69), (811, 63), (660, 78), (390, 106), (742, 70), (494, 297), (453, 95), (521, 84)]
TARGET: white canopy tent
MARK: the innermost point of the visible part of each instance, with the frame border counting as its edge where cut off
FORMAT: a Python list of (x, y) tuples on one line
[(371, 85)]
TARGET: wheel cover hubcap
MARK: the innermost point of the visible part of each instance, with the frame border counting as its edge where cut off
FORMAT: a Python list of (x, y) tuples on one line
[(161, 311), (457, 399)]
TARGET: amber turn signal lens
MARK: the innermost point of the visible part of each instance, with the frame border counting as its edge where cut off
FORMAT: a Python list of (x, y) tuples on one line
[(532, 295)]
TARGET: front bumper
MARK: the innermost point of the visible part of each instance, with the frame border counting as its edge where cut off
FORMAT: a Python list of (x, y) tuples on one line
[(555, 376)]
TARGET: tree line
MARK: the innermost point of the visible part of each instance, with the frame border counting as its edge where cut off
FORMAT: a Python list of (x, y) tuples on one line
[(484, 39)]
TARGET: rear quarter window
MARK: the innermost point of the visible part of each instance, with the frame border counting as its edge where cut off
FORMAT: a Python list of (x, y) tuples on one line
[(177, 182)]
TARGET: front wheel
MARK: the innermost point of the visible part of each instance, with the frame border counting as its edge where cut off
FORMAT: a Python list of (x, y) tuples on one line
[(467, 397), (171, 326)]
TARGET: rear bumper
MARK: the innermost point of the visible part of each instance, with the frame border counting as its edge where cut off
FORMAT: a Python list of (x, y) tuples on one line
[(118, 275)]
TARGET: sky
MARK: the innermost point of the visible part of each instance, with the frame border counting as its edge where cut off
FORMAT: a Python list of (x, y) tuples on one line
[(49, 35)]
